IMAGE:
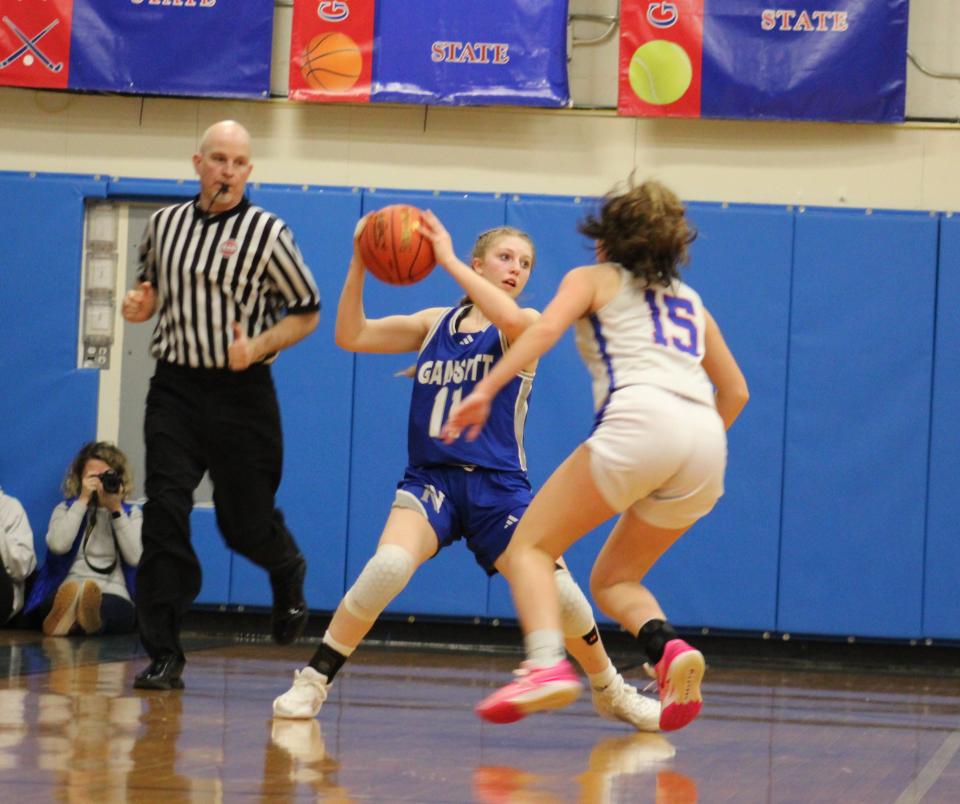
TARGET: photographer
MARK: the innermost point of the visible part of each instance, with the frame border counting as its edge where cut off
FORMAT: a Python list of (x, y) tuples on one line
[(86, 584)]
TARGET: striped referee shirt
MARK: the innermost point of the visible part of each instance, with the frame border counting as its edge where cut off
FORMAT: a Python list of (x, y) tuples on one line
[(211, 270)]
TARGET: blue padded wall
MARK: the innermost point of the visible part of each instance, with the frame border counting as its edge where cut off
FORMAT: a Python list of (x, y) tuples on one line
[(170, 191), (214, 557), (561, 406), (723, 572), (839, 517), (48, 406), (861, 351), (941, 594), (741, 265), (315, 385), (451, 583)]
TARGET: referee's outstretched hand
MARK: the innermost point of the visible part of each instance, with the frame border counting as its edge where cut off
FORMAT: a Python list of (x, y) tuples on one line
[(240, 354), (138, 303)]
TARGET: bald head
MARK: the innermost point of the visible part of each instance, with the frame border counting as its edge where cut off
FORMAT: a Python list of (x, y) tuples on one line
[(223, 164), (225, 131)]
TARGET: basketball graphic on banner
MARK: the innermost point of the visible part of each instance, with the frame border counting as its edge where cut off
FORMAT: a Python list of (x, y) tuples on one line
[(331, 62)]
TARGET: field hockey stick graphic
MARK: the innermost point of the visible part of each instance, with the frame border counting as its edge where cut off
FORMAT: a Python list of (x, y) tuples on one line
[(30, 44)]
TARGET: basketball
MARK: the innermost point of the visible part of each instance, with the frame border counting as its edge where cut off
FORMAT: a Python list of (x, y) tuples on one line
[(393, 248), (331, 62)]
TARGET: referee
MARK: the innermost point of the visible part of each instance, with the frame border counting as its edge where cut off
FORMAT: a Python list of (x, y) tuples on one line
[(231, 290)]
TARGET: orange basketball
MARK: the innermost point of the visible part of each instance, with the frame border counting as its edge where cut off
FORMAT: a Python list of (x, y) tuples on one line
[(393, 247), (331, 62)]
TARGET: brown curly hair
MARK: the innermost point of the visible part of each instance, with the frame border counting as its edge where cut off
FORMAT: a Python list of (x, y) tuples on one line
[(645, 230), (111, 455)]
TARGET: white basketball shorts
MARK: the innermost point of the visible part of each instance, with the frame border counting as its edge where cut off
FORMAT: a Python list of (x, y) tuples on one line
[(660, 455)]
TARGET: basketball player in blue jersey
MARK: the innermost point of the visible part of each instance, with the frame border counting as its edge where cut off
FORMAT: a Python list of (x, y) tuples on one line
[(665, 388), (471, 490)]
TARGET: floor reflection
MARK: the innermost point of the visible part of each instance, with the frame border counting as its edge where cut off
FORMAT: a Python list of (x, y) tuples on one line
[(398, 727), (295, 754), (628, 768), (86, 721)]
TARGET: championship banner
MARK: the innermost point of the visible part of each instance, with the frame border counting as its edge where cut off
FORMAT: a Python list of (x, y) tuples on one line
[(742, 59), (447, 52), (215, 48)]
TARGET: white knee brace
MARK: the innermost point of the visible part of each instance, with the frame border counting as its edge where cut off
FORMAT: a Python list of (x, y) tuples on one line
[(576, 615), (382, 579)]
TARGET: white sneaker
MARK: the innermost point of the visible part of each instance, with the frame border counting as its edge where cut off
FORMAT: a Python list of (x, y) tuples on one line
[(621, 701), (304, 699)]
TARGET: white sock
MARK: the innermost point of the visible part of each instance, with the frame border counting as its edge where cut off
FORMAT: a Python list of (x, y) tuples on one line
[(544, 647), (339, 647), (603, 679)]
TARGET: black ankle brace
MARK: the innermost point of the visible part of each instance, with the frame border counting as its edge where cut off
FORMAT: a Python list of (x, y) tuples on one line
[(652, 638), (327, 661)]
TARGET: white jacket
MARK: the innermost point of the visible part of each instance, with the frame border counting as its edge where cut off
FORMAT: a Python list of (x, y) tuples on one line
[(16, 546)]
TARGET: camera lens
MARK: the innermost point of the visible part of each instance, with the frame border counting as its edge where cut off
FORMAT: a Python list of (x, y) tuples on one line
[(110, 481)]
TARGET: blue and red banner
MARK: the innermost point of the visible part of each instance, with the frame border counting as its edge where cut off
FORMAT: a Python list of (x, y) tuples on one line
[(217, 48), (447, 52), (743, 59), (331, 51)]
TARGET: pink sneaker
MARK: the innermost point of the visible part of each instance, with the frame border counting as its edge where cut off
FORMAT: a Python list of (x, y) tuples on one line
[(679, 673), (534, 689)]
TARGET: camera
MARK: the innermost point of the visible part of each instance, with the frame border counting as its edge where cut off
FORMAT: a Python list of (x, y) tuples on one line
[(111, 481)]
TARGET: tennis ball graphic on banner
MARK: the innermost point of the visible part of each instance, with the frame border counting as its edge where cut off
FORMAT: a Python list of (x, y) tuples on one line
[(660, 72)]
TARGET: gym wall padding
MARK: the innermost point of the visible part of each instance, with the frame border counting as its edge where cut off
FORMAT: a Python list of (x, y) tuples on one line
[(452, 583), (561, 405), (941, 594), (858, 406), (850, 431), (48, 406), (314, 384), (740, 264), (215, 560), (723, 572)]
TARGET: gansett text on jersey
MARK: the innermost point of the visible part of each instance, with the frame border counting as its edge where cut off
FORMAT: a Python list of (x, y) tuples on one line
[(442, 372)]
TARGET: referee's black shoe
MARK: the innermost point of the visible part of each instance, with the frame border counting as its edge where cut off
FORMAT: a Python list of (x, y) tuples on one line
[(161, 674), (289, 606)]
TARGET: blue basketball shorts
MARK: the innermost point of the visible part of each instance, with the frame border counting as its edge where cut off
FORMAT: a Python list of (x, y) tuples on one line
[(481, 506)]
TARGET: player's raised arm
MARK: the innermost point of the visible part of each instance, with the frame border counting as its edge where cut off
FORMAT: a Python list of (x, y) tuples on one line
[(357, 333), (574, 297), (512, 255), (727, 378)]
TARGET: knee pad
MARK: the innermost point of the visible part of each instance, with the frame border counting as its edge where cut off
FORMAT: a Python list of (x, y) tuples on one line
[(576, 614), (382, 579)]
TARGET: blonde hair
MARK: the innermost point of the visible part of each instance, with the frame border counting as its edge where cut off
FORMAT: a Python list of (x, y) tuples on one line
[(104, 451), (488, 239), (485, 241)]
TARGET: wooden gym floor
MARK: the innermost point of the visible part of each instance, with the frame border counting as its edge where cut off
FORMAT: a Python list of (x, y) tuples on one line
[(399, 727)]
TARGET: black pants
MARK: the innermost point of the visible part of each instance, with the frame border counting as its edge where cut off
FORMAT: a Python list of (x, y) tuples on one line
[(6, 595), (228, 423)]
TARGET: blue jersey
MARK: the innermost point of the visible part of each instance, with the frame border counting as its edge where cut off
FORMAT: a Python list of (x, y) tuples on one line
[(449, 365)]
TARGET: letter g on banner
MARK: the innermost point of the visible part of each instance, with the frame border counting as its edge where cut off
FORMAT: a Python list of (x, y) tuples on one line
[(662, 15), (333, 10)]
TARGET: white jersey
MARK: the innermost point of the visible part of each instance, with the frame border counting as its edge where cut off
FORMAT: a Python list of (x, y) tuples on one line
[(646, 336)]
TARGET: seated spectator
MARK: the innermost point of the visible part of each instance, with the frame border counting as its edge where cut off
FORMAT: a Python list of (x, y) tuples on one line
[(86, 584), (17, 555)]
